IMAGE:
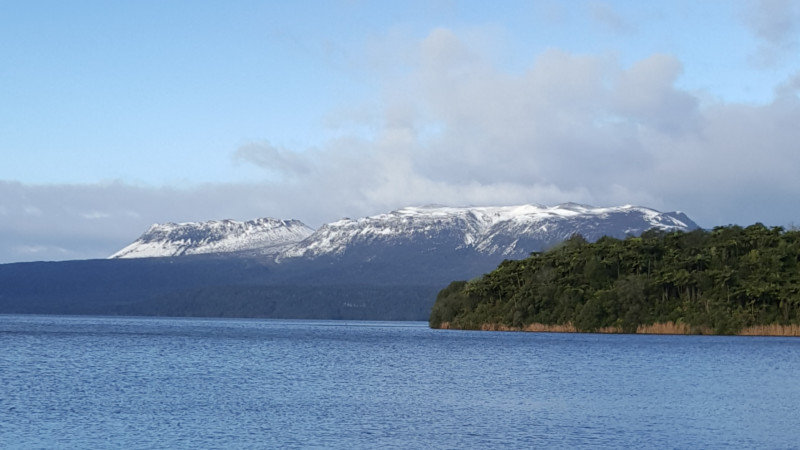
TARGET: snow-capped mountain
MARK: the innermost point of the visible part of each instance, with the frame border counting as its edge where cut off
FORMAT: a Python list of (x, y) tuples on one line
[(407, 234), (384, 267), (260, 236), (509, 231)]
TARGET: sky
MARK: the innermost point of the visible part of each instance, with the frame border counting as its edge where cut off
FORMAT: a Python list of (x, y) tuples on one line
[(116, 115)]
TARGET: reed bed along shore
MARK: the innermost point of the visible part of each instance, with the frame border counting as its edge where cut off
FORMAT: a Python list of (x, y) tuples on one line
[(656, 328), (771, 330)]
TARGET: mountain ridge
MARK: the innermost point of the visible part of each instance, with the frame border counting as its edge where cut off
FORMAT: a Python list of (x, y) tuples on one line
[(510, 231), (384, 267), (257, 236)]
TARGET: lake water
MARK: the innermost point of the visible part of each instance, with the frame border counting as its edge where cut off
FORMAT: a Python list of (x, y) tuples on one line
[(95, 382)]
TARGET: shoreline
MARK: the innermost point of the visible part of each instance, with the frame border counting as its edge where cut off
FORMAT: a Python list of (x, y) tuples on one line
[(668, 328)]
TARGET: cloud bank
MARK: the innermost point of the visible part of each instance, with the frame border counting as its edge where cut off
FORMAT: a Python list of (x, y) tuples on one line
[(776, 24), (455, 129)]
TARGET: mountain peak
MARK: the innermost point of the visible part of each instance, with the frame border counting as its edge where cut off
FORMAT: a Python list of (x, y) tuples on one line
[(263, 235), (512, 231), (493, 231)]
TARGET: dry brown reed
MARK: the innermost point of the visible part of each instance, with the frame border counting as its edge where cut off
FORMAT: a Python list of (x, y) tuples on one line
[(542, 328), (656, 328), (664, 328), (497, 327), (771, 330)]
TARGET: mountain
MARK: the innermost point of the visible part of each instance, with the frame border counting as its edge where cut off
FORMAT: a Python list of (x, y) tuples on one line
[(256, 237), (508, 232), (384, 267), (201, 286)]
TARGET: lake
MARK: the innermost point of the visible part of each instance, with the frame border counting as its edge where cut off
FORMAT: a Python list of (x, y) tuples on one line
[(103, 382)]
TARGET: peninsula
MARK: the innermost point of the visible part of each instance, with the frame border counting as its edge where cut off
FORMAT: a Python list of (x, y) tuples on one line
[(729, 280)]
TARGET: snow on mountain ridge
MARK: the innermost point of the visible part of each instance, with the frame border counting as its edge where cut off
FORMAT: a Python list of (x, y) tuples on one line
[(512, 231), (507, 230), (263, 235)]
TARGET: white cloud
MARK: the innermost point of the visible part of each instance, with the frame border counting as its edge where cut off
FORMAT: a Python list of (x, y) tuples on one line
[(454, 128), (776, 23), (39, 250), (605, 15), (66, 222), (95, 215), (275, 159), (30, 210), (645, 93)]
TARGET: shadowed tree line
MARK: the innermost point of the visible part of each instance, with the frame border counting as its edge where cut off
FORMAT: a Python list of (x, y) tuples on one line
[(209, 286), (723, 280)]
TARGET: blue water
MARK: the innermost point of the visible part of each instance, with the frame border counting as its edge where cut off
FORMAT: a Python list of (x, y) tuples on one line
[(90, 382)]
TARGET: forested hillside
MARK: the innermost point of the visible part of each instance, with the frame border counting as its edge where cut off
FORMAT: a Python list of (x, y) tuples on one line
[(210, 286), (720, 281)]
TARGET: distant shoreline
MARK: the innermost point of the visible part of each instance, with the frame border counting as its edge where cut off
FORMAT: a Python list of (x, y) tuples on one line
[(668, 328)]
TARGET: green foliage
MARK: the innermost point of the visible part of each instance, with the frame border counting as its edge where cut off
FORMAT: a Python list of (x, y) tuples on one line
[(724, 279)]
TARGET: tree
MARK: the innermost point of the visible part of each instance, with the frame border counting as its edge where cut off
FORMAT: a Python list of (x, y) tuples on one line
[(726, 278)]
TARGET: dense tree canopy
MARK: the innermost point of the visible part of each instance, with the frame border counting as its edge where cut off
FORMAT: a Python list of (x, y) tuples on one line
[(724, 280)]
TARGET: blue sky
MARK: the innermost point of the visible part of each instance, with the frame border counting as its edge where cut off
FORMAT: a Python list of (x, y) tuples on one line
[(115, 115)]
